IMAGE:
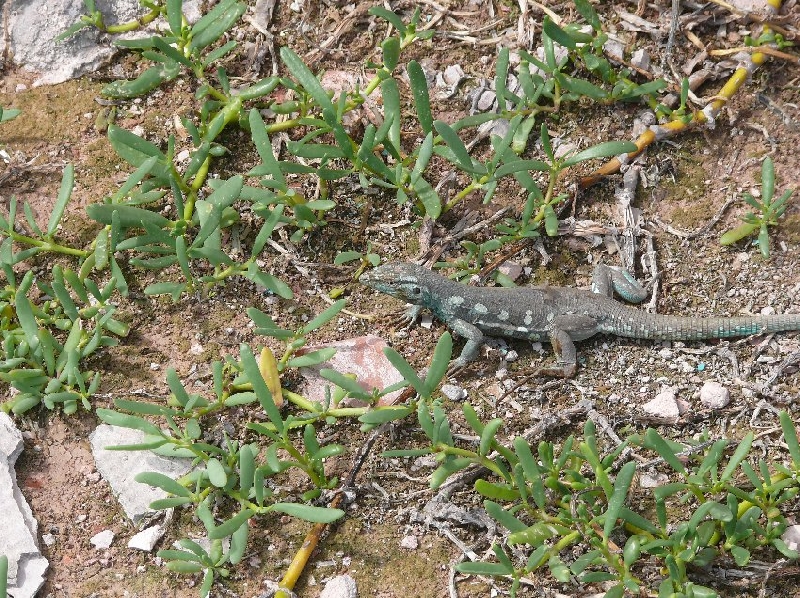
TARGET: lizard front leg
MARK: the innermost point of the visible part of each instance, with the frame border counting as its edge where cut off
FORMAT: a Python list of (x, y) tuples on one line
[(474, 339), (411, 314)]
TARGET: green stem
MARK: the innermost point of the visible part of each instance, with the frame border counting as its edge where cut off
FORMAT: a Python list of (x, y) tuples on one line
[(47, 245), (283, 126), (566, 541), (459, 196), (309, 406), (458, 452), (134, 25)]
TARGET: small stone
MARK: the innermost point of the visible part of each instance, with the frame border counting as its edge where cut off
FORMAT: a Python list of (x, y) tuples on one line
[(664, 406), (683, 405), (424, 462), (147, 538), (511, 269), (102, 540), (641, 59), (341, 586), (614, 48), (409, 542), (564, 148), (453, 392), (792, 537), (714, 396), (653, 480), (453, 74)]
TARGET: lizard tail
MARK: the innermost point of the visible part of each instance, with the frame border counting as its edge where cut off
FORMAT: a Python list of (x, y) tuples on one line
[(661, 327)]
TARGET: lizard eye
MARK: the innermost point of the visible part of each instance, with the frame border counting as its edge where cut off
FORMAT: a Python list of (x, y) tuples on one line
[(416, 291)]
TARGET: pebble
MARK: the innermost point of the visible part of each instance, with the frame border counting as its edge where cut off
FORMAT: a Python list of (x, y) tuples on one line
[(102, 540), (641, 59), (341, 586), (409, 542), (664, 405), (653, 480), (453, 392), (792, 537), (714, 395)]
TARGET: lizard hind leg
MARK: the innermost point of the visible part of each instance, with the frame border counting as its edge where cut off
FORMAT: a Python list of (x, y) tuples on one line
[(566, 354)]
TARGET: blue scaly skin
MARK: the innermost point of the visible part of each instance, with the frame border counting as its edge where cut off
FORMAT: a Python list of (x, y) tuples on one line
[(556, 314)]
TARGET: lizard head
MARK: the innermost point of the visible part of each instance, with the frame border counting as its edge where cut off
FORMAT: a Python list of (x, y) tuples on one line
[(408, 282)]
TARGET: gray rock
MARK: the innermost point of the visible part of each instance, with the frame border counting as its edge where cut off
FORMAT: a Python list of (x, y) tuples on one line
[(26, 565), (34, 25), (453, 392), (792, 537), (119, 468), (102, 540)]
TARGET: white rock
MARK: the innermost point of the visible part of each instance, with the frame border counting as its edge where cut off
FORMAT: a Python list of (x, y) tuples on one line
[(102, 540), (146, 539), (664, 405), (714, 395), (653, 480), (409, 542), (453, 392), (26, 565), (792, 537), (341, 586)]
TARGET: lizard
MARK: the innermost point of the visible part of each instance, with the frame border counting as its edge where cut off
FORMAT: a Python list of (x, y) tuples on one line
[(560, 315)]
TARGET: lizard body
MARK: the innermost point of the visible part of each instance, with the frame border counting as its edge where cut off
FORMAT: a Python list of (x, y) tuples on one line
[(559, 315)]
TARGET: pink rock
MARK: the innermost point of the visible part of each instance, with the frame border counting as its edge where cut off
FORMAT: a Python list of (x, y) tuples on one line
[(362, 356)]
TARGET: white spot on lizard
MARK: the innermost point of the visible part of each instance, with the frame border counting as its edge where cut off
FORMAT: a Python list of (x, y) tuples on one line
[(455, 300), (503, 315), (480, 308)]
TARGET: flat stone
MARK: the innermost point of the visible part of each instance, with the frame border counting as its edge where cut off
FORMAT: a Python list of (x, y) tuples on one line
[(119, 468), (147, 538), (18, 540), (341, 586), (34, 25), (663, 406), (409, 543), (362, 356), (102, 540)]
